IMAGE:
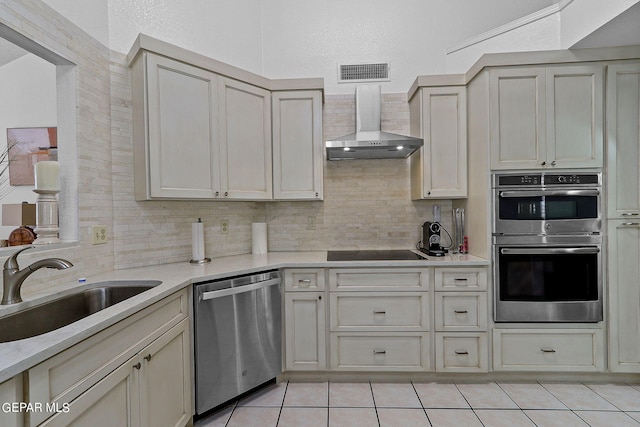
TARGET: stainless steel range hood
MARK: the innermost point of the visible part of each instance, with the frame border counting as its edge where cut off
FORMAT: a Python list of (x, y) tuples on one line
[(369, 142)]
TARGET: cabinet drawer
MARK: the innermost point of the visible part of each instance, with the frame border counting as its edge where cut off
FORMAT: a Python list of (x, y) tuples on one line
[(66, 375), (379, 279), (461, 311), (304, 279), (400, 351), (381, 311), (460, 279), (461, 352), (548, 350)]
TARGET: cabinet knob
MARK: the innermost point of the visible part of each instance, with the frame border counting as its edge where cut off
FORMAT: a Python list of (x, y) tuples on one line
[(320, 297), (147, 357), (317, 194), (217, 194), (543, 163), (137, 365), (553, 163), (226, 194), (428, 193)]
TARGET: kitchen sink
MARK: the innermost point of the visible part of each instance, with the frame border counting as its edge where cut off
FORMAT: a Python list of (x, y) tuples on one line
[(63, 311)]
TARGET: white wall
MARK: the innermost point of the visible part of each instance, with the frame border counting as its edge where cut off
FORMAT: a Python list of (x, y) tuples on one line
[(28, 88), (92, 16)]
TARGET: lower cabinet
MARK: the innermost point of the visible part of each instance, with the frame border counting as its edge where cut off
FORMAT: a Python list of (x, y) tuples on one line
[(380, 351), (579, 350), (462, 352), (11, 392), (305, 320), (135, 373)]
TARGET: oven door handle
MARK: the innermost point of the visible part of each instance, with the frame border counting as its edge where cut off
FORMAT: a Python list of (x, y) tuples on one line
[(542, 193), (549, 251)]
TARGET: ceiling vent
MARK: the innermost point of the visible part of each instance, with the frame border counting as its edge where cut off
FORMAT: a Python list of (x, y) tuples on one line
[(356, 73)]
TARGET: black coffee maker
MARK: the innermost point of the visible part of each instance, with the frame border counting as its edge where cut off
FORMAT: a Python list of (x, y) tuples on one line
[(431, 239)]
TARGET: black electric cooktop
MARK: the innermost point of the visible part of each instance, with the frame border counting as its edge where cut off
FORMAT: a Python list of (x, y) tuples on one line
[(373, 255)]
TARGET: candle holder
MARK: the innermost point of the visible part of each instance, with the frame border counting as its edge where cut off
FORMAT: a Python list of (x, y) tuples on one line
[(46, 217)]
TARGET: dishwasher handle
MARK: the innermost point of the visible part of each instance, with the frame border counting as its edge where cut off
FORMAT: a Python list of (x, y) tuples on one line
[(238, 290)]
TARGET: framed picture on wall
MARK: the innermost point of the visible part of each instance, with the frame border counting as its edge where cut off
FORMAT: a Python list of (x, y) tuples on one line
[(27, 146)]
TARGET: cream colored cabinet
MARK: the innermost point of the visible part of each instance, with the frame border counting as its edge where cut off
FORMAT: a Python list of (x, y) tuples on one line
[(176, 138), (297, 145), (305, 331), (461, 319), (198, 135), (245, 141), (624, 295), (623, 140), (380, 319), (563, 350), (11, 392), (439, 168), (546, 117), (305, 319), (143, 360)]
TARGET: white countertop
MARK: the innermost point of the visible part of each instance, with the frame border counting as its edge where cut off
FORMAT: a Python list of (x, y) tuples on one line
[(18, 356)]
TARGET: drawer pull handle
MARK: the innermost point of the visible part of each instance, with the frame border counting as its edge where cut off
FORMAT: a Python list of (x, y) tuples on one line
[(547, 350), (460, 311), (630, 214), (379, 352), (462, 352), (137, 365), (147, 357), (460, 279), (379, 312), (304, 282)]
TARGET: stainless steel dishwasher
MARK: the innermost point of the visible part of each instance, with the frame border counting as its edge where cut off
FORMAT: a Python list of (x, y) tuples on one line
[(237, 336)]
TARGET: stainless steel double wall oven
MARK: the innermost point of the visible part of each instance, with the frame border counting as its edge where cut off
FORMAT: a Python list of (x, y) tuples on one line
[(547, 242)]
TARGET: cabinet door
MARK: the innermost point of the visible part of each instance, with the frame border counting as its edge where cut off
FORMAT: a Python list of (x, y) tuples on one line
[(245, 135), (623, 139), (111, 402), (165, 379), (11, 391), (575, 116), (439, 169), (624, 296), (305, 331), (183, 151), (517, 118), (297, 145)]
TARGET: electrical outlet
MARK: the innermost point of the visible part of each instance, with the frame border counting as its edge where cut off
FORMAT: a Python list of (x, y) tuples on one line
[(224, 226), (99, 234), (311, 223)]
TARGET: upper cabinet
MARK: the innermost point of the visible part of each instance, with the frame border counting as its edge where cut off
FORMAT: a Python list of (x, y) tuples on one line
[(176, 149), (546, 117), (203, 130), (245, 141), (439, 168), (623, 136), (297, 145)]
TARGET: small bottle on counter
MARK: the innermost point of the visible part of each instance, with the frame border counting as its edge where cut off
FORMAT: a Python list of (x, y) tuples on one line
[(465, 245)]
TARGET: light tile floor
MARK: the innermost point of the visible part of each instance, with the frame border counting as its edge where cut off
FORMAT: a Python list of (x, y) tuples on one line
[(433, 404)]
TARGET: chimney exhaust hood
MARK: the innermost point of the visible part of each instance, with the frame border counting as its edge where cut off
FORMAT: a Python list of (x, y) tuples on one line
[(369, 142)]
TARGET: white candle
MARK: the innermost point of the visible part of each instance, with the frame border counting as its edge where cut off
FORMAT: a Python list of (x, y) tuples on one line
[(47, 175)]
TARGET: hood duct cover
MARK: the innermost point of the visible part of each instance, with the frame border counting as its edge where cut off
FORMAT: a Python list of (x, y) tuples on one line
[(369, 142)]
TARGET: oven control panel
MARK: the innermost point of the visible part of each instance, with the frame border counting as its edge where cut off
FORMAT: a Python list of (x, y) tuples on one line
[(538, 180)]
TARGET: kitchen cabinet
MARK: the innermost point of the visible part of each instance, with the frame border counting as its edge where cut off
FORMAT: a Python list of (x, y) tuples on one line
[(623, 140), (198, 135), (245, 141), (137, 371), (439, 168), (305, 320), (561, 350), (624, 295), (297, 145), (176, 137), (461, 319), (380, 319), (546, 117), (10, 392)]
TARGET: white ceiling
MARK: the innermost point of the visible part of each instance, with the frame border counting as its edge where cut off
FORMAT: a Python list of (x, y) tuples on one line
[(623, 30), (9, 52)]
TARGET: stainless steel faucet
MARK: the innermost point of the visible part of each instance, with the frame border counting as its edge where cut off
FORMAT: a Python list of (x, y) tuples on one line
[(13, 277)]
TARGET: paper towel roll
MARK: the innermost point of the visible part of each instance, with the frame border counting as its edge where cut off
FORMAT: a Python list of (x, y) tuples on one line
[(259, 238), (197, 241)]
